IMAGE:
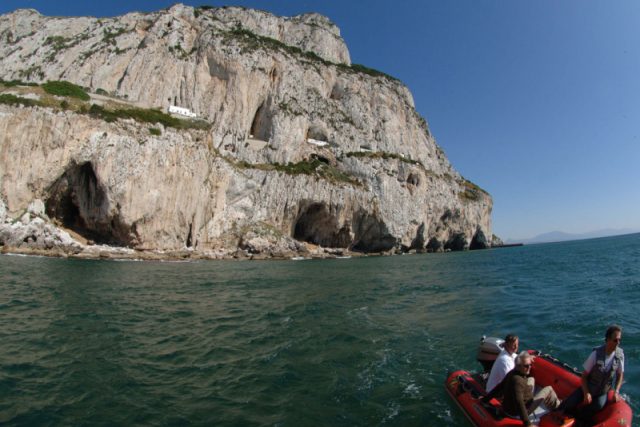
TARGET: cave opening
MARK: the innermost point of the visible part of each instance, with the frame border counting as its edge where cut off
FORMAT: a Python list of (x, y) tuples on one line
[(413, 179), (434, 245), (479, 241), (372, 234), (418, 242), (322, 159), (458, 242), (261, 124), (79, 202), (317, 225), (189, 242)]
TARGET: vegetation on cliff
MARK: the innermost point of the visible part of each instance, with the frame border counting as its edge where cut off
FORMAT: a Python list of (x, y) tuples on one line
[(252, 42), (64, 88), (75, 100)]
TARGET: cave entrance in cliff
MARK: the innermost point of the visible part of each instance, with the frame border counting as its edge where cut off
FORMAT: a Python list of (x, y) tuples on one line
[(317, 133), (79, 202), (261, 124), (372, 234), (458, 242), (317, 225), (479, 241)]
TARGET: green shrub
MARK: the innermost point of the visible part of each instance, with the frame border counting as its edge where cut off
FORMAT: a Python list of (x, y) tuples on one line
[(252, 41), (12, 83), (370, 71), (99, 112), (64, 104), (471, 192), (64, 88), (198, 10), (56, 42), (7, 98), (110, 37), (34, 70), (150, 116), (101, 91), (303, 167), (382, 155), (155, 131)]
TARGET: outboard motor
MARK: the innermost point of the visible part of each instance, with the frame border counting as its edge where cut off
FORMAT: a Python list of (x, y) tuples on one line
[(488, 351)]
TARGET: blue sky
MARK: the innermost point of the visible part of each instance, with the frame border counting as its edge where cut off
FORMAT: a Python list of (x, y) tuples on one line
[(536, 102)]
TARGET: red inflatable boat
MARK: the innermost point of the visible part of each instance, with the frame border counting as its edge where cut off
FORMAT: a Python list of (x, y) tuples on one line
[(467, 390)]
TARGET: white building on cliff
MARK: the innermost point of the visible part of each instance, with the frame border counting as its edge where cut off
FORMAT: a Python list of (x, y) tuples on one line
[(182, 111)]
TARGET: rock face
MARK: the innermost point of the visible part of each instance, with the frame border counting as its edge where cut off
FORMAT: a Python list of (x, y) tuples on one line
[(303, 146)]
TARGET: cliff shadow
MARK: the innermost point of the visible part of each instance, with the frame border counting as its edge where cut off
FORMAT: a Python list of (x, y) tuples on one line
[(371, 234), (79, 202)]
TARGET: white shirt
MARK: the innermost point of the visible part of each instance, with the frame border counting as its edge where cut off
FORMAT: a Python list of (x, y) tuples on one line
[(608, 361), (503, 364)]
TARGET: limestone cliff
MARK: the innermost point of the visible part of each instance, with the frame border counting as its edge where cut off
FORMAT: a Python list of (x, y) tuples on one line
[(300, 145)]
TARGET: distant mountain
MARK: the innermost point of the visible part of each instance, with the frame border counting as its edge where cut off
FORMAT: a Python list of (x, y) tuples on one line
[(560, 236)]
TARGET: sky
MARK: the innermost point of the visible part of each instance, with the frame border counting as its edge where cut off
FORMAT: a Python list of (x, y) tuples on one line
[(536, 102)]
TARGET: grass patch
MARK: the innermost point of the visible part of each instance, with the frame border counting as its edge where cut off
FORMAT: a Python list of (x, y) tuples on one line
[(155, 131), (64, 88)]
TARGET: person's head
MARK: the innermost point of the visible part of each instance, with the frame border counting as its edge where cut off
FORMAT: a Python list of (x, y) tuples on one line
[(511, 343), (524, 362), (613, 336)]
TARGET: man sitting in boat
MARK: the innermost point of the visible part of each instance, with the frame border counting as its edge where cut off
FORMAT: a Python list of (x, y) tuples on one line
[(602, 367), (518, 390), (504, 363)]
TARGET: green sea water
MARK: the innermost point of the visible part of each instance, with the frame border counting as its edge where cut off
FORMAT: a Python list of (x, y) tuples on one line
[(345, 342)]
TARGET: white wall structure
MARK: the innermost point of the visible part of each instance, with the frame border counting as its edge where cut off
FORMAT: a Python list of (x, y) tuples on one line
[(317, 142), (182, 111)]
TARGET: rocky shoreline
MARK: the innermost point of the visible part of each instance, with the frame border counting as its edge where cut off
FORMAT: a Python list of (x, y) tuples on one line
[(33, 233)]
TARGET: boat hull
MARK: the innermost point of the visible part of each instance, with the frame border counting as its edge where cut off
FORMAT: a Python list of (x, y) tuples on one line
[(467, 390)]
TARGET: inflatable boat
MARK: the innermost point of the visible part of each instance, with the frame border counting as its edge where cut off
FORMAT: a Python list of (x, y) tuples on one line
[(468, 389)]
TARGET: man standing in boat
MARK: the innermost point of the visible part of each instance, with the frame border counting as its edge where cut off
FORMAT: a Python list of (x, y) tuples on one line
[(504, 363), (603, 370)]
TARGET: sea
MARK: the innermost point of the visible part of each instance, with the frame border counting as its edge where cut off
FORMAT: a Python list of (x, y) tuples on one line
[(338, 342)]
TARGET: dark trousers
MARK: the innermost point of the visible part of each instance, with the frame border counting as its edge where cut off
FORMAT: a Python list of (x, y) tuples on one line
[(585, 413)]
